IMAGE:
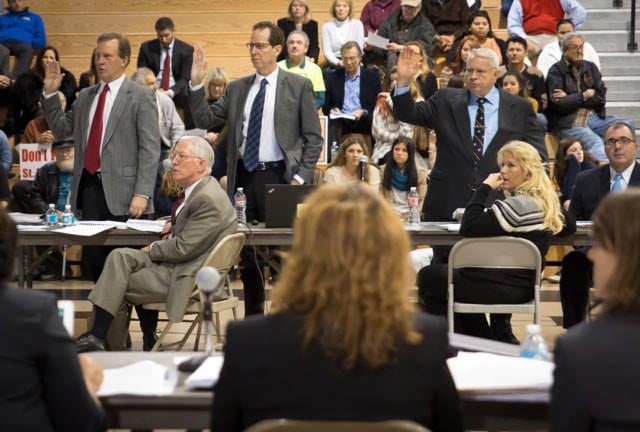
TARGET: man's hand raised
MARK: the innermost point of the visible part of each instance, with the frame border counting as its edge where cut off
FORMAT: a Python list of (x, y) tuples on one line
[(52, 77), (408, 67), (198, 67)]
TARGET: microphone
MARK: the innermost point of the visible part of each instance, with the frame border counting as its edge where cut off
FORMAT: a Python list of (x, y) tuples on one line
[(209, 281), (166, 164), (362, 166)]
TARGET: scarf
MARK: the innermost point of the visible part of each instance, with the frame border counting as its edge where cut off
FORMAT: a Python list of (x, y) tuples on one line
[(398, 180)]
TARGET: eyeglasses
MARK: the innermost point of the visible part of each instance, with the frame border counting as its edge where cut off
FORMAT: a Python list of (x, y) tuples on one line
[(575, 48), (479, 72), (623, 141), (181, 157), (258, 46)]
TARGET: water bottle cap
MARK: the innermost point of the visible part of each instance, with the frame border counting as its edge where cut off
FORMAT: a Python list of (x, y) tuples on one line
[(52, 205), (67, 206), (240, 189), (533, 329), (413, 188)]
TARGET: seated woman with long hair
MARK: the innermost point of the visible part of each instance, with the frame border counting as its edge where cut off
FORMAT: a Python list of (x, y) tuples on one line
[(480, 27), (344, 169), (345, 341), (400, 174), (571, 160), (596, 378), (531, 210), (458, 63)]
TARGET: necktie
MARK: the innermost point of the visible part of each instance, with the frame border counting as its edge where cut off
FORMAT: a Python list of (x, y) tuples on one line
[(166, 71), (174, 208), (478, 129), (252, 145), (617, 183), (92, 151)]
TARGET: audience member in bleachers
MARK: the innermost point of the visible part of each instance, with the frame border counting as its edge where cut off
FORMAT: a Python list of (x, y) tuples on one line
[(90, 77), (552, 52), (458, 63), (38, 130), (407, 24), (531, 210), (165, 270), (343, 329), (215, 84), (341, 29), (345, 167), (480, 27), (426, 80), (465, 156), (577, 97), (21, 32), (449, 19), (45, 385), (351, 89), (596, 378), (516, 55), (170, 60), (536, 21), (400, 174), (296, 62), (590, 189), (6, 156), (287, 153), (375, 12), (516, 84), (299, 18), (571, 160), (5, 193), (117, 152), (26, 92)]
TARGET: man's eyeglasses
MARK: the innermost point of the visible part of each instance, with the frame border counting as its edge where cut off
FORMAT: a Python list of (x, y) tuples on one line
[(575, 48), (623, 141), (258, 46), (181, 157), (479, 72)]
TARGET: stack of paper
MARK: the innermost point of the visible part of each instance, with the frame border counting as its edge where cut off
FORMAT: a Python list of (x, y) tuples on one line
[(206, 375), (145, 378), (154, 226)]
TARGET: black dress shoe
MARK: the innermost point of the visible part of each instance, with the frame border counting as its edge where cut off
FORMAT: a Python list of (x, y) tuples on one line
[(506, 337), (88, 342), (47, 277), (148, 341)]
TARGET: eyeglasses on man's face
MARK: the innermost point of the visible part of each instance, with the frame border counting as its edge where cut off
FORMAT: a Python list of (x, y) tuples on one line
[(480, 72), (624, 141), (180, 157), (257, 45)]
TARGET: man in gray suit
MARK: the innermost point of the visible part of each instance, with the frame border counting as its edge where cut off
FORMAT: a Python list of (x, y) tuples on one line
[(288, 140), (165, 270), (115, 129)]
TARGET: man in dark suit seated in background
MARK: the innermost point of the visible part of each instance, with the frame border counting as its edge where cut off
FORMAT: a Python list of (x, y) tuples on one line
[(164, 271), (170, 60), (591, 187), (351, 90)]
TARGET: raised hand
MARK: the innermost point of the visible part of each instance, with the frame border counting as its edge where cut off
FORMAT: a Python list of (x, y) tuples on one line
[(408, 66), (52, 77), (199, 67)]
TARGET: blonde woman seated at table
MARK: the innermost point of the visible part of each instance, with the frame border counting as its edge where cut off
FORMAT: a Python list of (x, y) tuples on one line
[(345, 341), (596, 378), (344, 169)]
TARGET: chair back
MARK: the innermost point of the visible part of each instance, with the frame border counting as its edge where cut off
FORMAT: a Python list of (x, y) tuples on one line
[(284, 425), (224, 255)]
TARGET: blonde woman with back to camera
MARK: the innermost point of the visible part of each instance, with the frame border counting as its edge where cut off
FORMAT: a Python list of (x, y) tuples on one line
[(345, 341)]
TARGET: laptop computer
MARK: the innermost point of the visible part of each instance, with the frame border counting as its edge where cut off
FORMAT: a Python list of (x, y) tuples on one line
[(281, 203)]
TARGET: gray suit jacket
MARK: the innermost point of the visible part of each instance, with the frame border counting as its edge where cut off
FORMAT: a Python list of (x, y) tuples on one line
[(130, 148), (297, 126)]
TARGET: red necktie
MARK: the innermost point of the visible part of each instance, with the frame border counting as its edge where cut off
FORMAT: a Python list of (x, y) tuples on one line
[(166, 71), (92, 151), (174, 208)]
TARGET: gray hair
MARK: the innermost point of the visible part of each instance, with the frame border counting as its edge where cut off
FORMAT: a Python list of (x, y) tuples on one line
[(200, 148), (567, 38), (301, 33), (485, 53), (140, 74)]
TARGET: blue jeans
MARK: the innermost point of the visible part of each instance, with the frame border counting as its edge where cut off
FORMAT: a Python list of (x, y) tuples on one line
[(592, 136)]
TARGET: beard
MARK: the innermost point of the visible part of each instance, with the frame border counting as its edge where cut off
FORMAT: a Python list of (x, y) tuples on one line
[(65, 166)]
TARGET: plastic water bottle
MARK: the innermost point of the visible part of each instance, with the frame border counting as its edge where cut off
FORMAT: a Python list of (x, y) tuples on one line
[(51, 216), (334, 150), (534, 346), (67, 217), (414, 212), (240, 204)]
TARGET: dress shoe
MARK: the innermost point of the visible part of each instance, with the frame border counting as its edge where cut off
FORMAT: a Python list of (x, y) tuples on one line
[(506, 337), (88, 342), (148, 341), (501, 329), (48, 277)]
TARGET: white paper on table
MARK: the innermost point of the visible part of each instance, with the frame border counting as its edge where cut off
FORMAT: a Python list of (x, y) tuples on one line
[(26, 218), (377, 41), (584, 224), (452, 227), (484, 371), (84, 230), (144, 378), (340, 115), (154, 226), (206, 375), (32, 227)]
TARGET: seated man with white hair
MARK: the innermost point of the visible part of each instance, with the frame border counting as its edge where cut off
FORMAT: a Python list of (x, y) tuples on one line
[(164, 271)]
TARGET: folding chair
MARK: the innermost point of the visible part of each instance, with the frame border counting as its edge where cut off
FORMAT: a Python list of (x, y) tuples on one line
[(284, 425)]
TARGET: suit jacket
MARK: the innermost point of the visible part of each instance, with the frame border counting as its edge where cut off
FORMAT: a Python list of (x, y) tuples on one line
[(267, 375), (596, 379), (369, 89), (297, 126), (42, 385), (592, 186), (181, 61), (456, 171), (130, 147), (310, 28), (171, 125)]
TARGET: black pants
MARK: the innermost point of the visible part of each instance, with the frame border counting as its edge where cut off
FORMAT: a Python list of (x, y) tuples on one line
[(253, 184), (340, 127), (574, 286)]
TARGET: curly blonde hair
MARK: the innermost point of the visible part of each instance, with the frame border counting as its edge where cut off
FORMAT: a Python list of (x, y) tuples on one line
[(537, 184), (348, 275)]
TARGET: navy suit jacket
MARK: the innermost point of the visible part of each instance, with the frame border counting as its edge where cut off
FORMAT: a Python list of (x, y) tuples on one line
[(181, 60), (369, 88)]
